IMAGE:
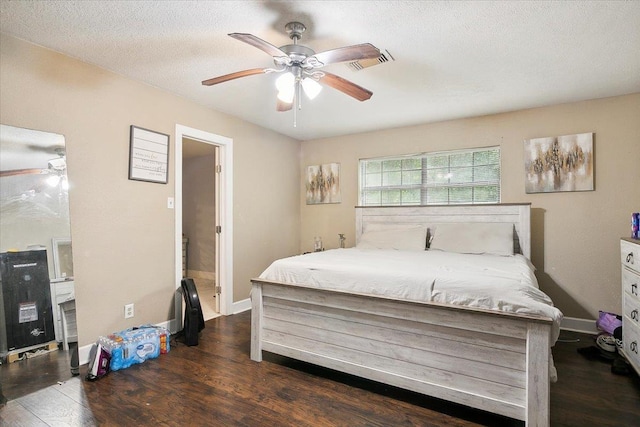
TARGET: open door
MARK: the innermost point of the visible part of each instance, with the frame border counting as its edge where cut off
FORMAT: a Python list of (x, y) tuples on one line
[(218, 191)]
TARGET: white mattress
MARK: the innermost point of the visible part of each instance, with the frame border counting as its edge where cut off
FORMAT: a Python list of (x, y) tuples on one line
[(504, 283)]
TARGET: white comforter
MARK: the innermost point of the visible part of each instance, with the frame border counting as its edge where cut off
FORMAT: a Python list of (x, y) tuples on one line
[(504, 283)]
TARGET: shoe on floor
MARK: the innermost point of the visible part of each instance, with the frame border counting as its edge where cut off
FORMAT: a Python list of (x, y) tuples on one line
[(596, 353), (620, 366), (619, 346), (606, 343)]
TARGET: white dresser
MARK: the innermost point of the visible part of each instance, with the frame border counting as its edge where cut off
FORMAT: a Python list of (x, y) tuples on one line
[(61, 290), (630, 256)]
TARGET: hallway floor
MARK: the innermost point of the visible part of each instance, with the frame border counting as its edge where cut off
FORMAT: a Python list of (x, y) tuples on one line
[(206, 293)]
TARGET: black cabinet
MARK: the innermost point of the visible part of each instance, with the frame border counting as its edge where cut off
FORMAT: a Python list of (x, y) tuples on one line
[(26, 295)]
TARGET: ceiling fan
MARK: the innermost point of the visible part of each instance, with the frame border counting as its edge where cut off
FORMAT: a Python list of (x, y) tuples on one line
[(56, 167), (299, 67)]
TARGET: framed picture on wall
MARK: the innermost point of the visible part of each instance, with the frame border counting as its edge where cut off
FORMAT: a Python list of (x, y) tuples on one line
[(323, 184), (148, 155), (559, 163)]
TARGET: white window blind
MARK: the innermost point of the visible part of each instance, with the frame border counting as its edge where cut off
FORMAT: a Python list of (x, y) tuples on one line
[(448, 177)]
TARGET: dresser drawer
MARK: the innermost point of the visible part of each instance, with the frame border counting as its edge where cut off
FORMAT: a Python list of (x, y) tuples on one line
[(631, 343), (631, 310), (630, 255), (630, 284)]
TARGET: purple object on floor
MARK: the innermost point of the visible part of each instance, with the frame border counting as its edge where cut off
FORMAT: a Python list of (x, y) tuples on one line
[(608, 322)]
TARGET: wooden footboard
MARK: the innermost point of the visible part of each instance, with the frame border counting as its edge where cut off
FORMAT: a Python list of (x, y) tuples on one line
[(494, 361)]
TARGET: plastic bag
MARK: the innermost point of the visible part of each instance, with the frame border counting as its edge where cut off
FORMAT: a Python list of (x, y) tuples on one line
[(608, 322)]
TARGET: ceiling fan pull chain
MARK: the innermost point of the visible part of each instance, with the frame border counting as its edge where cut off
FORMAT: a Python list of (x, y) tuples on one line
[(297, 102), (295, 116)]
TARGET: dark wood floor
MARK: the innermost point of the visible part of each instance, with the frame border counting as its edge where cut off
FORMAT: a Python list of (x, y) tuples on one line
[(216, 383)]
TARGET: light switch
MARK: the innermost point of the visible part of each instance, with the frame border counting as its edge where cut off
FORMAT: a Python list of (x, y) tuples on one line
[(170, 203)]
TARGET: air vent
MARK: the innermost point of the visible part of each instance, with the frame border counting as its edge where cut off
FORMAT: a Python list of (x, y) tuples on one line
[(366, 63)]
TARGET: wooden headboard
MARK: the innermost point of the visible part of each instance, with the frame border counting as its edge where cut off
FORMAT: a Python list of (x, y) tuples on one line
[(369, 218)]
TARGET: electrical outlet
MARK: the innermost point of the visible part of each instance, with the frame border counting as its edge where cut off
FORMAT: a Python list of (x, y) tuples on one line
[(128, 311)]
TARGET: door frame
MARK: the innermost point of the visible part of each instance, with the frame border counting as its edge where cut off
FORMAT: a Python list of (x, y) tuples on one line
[(225, 275)]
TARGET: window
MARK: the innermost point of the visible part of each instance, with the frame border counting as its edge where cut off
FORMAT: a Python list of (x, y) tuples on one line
[(449, 177)]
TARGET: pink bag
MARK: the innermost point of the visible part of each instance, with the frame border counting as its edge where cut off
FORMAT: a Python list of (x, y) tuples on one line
[(608, 322)]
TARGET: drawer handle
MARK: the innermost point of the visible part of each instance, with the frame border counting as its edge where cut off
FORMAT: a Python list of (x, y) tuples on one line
[(634, 347), (634, 314), (630, 258), (634, 289)]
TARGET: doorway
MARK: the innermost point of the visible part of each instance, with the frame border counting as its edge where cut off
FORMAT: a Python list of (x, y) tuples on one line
[(203, 195)]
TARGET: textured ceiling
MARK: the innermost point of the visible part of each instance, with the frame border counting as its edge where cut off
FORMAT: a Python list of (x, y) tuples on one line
[(452, 59)]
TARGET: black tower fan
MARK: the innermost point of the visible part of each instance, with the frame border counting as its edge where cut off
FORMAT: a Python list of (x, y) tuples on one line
[(193, 318)]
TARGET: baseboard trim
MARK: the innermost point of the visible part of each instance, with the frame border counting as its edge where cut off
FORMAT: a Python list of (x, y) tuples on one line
[(586, 326), (240, 306)]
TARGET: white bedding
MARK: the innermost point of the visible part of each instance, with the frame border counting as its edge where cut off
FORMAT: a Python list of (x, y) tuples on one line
[(504, 283)]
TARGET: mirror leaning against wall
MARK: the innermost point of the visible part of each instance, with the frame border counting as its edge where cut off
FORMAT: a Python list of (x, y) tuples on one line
[(37, 299)]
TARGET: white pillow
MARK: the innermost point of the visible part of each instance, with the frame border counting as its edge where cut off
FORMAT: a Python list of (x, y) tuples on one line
[(478, 238), (404, 239)]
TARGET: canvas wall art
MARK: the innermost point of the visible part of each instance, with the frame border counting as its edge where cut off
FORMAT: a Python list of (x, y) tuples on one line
[(323, 184), (559, 163)]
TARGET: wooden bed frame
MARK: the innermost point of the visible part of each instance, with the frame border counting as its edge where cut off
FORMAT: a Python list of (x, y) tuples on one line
[(495, 361)]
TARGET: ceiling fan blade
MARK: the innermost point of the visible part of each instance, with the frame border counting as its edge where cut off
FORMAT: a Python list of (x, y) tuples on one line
[(259, 43), (342, 54), (345, 86), (233, 76), (23, 172), (52, 149), (283, 106)]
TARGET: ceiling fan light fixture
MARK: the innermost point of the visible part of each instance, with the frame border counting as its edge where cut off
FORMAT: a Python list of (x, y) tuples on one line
[(286, 87), (311, 87), (58, 164), (285, 81), (53, 180), (286, 96)]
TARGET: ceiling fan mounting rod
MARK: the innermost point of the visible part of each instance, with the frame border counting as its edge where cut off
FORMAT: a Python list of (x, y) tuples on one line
[(295, 30)]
